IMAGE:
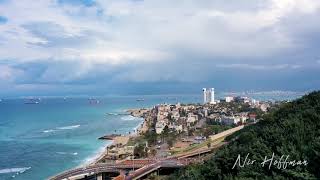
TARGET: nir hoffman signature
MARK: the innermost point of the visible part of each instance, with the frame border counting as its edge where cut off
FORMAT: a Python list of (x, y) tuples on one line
[(281, 163)]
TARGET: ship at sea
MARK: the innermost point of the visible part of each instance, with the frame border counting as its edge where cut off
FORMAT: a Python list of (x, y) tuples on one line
[(32, 101), (93, 101)]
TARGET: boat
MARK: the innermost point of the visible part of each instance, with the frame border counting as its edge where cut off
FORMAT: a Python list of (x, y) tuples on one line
[(32, 101), (139, 99), (93, 101)]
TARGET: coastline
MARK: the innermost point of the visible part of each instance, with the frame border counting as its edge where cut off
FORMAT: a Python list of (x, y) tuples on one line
[(117, 139), (96, 155), (140, 113)]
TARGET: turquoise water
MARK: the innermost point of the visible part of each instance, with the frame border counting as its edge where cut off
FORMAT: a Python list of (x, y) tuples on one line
[(41, 140)]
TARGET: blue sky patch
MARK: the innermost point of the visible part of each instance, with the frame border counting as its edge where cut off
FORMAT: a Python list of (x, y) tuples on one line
[(3, 20)]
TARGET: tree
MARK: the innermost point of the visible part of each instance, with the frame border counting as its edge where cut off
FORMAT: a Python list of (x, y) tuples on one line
[(170, 142), (153, 152), (151, 137), (209, 144), (165, 133), (139, 151)]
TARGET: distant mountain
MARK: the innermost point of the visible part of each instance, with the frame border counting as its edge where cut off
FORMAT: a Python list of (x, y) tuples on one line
[(293, 129)]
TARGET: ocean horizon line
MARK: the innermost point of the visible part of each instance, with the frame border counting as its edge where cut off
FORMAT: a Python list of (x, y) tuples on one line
[(159, 94)]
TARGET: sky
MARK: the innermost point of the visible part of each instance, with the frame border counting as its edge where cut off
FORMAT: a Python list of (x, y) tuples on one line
[(69, 47)]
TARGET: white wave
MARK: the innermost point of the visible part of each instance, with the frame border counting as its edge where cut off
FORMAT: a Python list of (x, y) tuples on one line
[(95, 155), (65, 153), (129, 118), (49, 131), (113, 114), (69, 127), (61, 128), (14, 170), (138, 126)]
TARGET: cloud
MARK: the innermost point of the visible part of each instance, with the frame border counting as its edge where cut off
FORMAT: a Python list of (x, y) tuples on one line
[(122, 31), (9, 74), (70, 42), (259, 67)]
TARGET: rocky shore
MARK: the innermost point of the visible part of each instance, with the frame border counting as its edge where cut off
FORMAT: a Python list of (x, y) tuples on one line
[(109, 137), (120, 140), (138, 112)]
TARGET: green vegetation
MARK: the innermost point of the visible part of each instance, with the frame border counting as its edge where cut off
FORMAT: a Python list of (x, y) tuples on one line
[(151, 137), (169, 136), (292, 129), (213, 127), (140, 151)]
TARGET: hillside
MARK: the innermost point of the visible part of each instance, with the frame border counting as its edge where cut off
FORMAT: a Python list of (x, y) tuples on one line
[(293, 129)]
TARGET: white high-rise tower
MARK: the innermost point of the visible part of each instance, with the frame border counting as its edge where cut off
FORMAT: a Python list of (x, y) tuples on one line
[(212, 96), (205, 97), (208, 95)]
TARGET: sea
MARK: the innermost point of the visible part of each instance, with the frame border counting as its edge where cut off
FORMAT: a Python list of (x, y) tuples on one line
[(39, 140)]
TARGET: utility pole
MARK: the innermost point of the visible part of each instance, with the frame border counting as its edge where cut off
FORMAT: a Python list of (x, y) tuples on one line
[(133, 157)]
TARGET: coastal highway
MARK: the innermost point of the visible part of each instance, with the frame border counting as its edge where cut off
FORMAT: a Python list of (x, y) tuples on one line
[(102, 167), (155, 166), (94, 169), (143, 166)]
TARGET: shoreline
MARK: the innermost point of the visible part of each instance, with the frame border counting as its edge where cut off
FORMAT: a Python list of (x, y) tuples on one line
[(93, 159), (117, 138)]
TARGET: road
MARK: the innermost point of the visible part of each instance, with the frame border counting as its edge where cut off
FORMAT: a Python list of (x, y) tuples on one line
[(145, 166), (103, 167)]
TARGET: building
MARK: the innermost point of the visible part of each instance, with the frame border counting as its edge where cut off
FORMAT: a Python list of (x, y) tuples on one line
[(242, 99), (205, 112), (264, 107), (254, 103), (230, 120), (160, 126), (192, 118), (229, 99), (175, 115), (252, 117), (178, 128), (208, 95)]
